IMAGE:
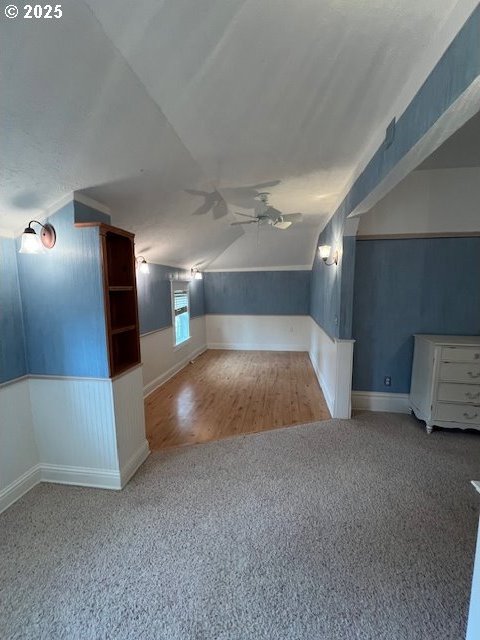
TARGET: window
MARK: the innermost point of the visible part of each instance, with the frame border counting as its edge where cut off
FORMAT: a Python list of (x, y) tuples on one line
[(181, 312)]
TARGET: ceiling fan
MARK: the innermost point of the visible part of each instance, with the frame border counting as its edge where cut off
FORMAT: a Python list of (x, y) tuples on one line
[(266, 214)]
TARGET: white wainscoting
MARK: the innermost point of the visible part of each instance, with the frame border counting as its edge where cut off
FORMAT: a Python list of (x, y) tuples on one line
[(332, 360), (81, 431), (258, 333), (19, 470), (161, 359), (379, 401), (74, 422), (132, 446)]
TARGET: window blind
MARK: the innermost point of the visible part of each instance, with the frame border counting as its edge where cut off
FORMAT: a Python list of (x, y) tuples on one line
[(180, 302)]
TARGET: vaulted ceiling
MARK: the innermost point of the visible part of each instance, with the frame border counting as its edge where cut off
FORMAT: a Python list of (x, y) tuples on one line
[(139, 104)]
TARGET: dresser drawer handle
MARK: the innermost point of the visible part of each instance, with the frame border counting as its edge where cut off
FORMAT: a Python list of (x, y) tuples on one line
[(476, 356), (472, 396), (473, 375), (469, 417)]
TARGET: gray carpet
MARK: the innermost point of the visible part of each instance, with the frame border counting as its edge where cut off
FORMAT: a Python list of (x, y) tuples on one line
[(338, 530)]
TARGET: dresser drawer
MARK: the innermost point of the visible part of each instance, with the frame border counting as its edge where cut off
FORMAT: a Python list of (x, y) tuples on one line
[(451, 392), (460, 372), (463, 413), (461, 354)]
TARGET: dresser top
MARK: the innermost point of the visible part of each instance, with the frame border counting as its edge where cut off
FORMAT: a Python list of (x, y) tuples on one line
[(454, 341)]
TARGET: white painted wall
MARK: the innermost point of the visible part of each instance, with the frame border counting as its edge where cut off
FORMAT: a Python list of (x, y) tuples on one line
[(132, 446), (161, 359), (82, 431), (332, 360), (19, 470), (258, 333), (74, 422), (429, 201)]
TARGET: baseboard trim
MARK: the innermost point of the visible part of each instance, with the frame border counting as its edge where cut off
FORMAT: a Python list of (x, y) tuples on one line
[(19, 487), (81, 476), (323, 385), (248, 346), (164, 377), (134, 462), (378, 401), (78, 476)]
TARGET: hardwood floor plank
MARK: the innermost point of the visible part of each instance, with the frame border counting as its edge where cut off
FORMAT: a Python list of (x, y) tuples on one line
[(226, 393)]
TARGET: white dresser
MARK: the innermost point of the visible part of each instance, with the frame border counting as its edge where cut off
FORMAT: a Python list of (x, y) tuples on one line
[(445, 390)]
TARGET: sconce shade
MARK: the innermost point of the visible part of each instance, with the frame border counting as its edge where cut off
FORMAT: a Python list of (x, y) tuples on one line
[(30, 242), (324, 251), (143, 267), (195, 274)]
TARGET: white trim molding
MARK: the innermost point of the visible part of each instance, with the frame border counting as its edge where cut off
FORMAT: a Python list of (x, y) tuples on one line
[(133, 463), (252, 346), (332, 360), (19, 487), (80, 476), (295, 267), (94, 438), (90, 202), (379, 401), (178, 366), (258, 332), (161, 360)]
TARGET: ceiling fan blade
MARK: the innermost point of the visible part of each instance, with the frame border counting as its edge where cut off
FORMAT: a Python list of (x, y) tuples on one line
[(202, 209), (263, 185), (292, 217), (233, 224), (245, 215), (282, 225), (220, 209)]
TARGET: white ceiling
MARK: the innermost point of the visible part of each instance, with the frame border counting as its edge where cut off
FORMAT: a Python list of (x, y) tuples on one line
[(135, 103), (462, 149)]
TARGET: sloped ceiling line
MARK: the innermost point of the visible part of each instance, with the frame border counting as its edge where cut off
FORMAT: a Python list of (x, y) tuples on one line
[(133, 115)]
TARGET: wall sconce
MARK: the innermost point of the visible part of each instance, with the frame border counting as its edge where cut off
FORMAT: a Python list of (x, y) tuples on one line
[(325, 251), (31, 243), (195, 274), (142, 265)]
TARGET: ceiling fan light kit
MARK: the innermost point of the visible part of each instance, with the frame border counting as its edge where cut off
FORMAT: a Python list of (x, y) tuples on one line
[(268, 215)]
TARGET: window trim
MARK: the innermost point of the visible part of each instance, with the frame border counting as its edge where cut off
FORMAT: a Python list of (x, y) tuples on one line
[(180, 285)]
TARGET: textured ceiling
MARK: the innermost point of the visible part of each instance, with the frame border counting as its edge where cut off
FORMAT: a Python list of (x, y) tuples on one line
[(135, 103)]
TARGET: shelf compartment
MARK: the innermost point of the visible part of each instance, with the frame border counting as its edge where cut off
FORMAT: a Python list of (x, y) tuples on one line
[(120, 267), (125, 350)]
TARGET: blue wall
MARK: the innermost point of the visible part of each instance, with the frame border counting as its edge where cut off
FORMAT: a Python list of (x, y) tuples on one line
[(332, 289), (332, 286), (62, 299), (154, 297), (12, 346), (84, 213), (258, 292), (410, 286)]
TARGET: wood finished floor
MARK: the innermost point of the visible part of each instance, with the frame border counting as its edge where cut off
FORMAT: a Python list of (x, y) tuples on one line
[(227, 393)]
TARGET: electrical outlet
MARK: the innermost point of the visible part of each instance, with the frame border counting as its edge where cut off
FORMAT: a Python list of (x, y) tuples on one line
[(387, 381)]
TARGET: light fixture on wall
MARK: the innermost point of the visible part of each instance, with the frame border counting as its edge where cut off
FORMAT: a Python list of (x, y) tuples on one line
[(325, 250), (142, 265), (32, 243), (195, 274)]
